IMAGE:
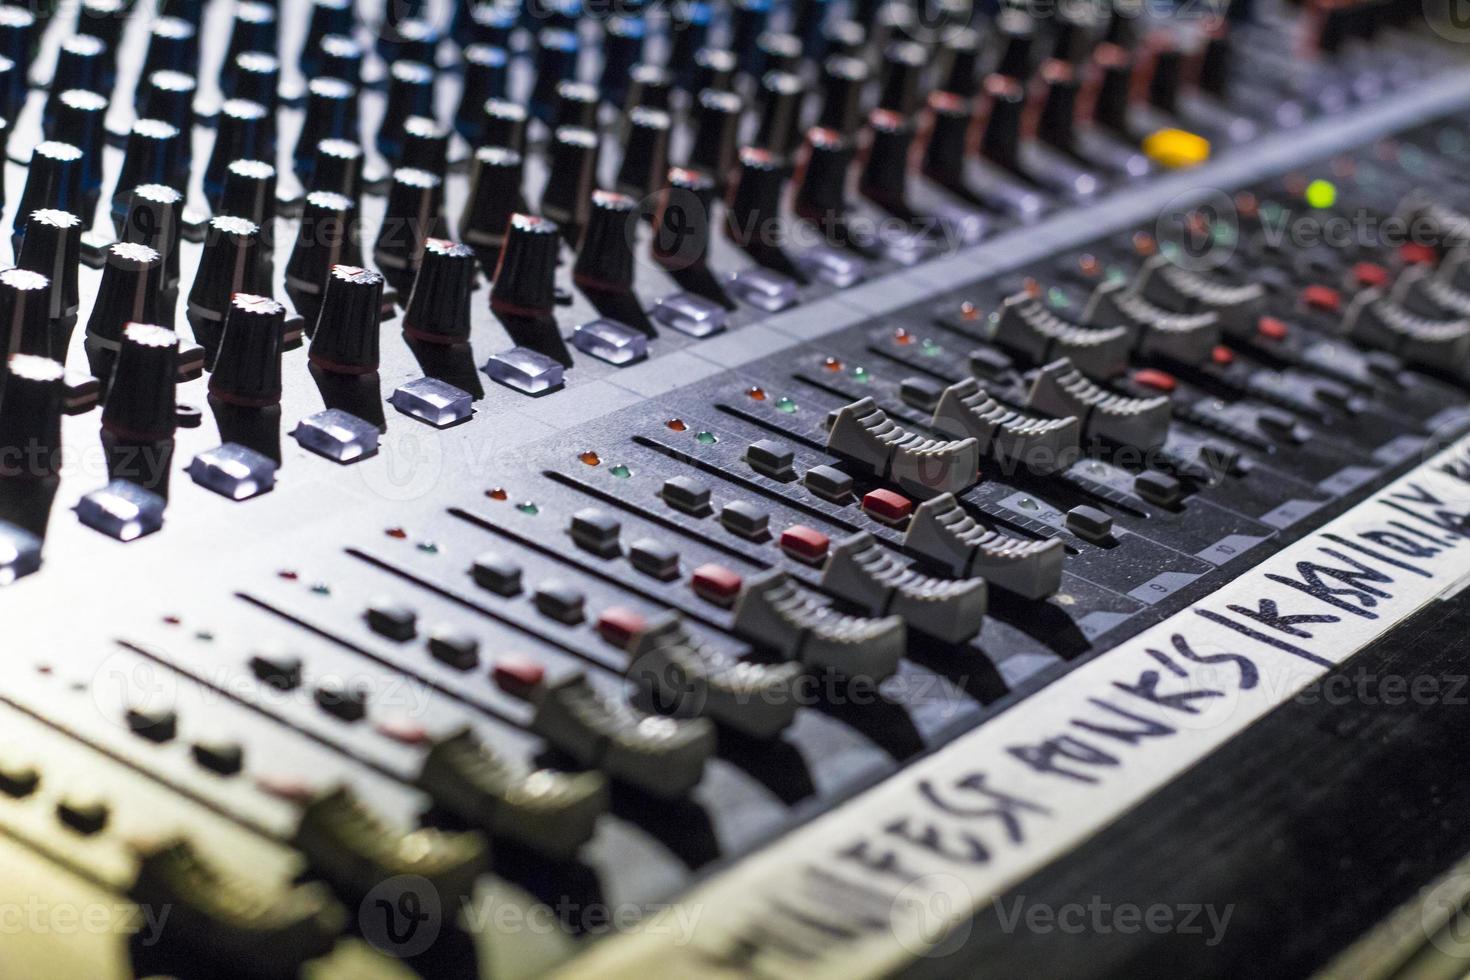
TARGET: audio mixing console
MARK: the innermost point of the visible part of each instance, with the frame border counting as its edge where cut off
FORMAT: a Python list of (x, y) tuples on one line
[(750, 488)]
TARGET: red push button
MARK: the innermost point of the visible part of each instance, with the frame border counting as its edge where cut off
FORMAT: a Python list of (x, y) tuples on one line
[(804, 543), (1271, 328), (1222, 355), (1155, 379), (716, 583), (1370, 275), (1413, 253), (619, 625), (1323, 298), (518, 675), (886, 506)]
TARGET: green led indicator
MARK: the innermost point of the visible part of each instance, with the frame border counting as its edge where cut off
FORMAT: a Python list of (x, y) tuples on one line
[(1057, 298), (620, 471), (785, 404), (528, 507), (321, 588), (1321, 193), (705, 438), (860, 374), (931, 348), (204, 636), (428, 547)]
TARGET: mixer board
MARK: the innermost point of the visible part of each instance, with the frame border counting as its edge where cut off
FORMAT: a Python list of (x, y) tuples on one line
[(741, 489)]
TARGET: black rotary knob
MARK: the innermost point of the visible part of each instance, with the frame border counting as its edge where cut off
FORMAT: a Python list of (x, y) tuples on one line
[(556, 62), (714, 68), (103, 19), (249, 191), (649, 85), (1015, 31), (80, 114), (25, 313), (622, 48), (154, 219), (780, 112), (944, 153), (843, 78), (689, 32), (52, 247), (327, 236), (30, 417), (168, 95), (331, 113), (412, 215), (1000, 140), (576, 105), (681, 222), (821, 190), (337, 168), (748, 19), (525, 276), (605, 254), (1111, 107), (567, 196), (493, 23), (346, 337), (1168, 75), (903, 65), (779, 51), (503, 123), (254, 29), (152, 157), (410, 93), (425, 146), (753, 219), (1216, 64), (495, 195), (53, 180), (958, 61), (716, 134), (438, 310), (229, 264), (885, 172), (244, 130), (140, 401), (1055, 125), (247, 369), (128, 292), (328, 17), (486, 68), (82, 63), (341, 58), (645, 151)]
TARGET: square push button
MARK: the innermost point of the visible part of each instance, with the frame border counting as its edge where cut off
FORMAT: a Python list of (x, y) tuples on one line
[(337, 435), (234, 471), (122, 510), (433, 401)]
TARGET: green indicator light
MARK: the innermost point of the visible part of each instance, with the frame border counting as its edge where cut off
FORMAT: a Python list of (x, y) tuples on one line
[(528, 507), (705, 438), (204, 636), (860, 374), (1451, 141), (1057, 298), (1223, 234), (1116, 274), (321, 588), (1171, 251), (785, 404), (428, 547), (931, 348), (1321, 194), (620, 471)]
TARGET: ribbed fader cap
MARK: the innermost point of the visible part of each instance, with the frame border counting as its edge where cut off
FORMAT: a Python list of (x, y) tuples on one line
[(30, 416), (821, 191), (128, 291), (525, 277), (503, 123), (346, 337), (605, 253), (425, 146), (439, 308), (331, 113), (78, 115), (716, 133), (645, 152), (572, 174), (753, 216), (25, 313), (247, 369), (485, 69), (337, 167), (140, 401), (152, 157), (410, 93), (681, 222), (249, 191), (52, 247)]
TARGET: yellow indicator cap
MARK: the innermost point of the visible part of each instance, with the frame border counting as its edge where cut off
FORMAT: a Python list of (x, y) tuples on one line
[(1321, 194), (1176, 149)]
